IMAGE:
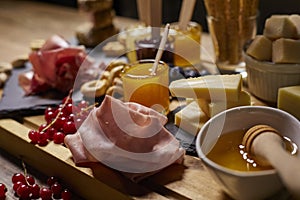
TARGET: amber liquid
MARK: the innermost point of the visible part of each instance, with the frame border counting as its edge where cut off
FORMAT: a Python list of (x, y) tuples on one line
[(229, 153), (149, 90)]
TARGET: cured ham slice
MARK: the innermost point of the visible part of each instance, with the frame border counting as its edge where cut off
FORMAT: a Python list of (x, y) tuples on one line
[(55, 66), (128, 137)]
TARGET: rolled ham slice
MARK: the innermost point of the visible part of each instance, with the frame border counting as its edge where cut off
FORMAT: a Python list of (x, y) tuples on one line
[(128, 137)]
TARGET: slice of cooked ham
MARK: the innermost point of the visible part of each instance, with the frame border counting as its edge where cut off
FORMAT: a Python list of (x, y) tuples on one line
[(55, 66), (128, 137)]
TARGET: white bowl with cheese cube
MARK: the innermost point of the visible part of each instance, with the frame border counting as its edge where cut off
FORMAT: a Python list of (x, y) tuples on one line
[(264, 78), (244, 184), (272, 59)]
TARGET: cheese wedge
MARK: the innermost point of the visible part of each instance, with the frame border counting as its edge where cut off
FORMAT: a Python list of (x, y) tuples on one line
[(210, 87), (213, 108), (289, 100), (191, 118)]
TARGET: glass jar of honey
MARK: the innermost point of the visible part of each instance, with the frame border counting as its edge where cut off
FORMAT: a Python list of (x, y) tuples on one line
[(143, 87)]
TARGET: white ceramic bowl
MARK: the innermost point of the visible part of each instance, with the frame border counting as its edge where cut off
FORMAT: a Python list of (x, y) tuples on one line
[(265, 78), (238, 184)]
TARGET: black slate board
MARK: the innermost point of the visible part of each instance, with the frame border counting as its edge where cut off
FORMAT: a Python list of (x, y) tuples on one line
[(186, 140), (15, 104)]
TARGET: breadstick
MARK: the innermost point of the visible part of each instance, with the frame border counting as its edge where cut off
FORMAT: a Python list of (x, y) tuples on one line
[(217, 27), (234, 44), (248, 19)]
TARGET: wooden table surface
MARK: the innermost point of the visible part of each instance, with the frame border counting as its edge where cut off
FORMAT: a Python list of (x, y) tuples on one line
[(23, 21)]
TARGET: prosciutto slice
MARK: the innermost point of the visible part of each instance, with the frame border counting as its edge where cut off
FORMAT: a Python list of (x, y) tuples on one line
[(128, 137), (55, 66)]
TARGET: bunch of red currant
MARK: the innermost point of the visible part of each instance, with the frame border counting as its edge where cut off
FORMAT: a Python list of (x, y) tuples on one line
[(60, 121), (25, 187)]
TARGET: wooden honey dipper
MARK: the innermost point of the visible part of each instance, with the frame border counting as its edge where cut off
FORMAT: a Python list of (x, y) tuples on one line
[(268, 148)]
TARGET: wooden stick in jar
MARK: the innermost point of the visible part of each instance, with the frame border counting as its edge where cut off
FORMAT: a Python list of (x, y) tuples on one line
[(143, 11), (186, 13)]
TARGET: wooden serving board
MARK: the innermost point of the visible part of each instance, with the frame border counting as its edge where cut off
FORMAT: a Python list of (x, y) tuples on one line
[(188, 181)]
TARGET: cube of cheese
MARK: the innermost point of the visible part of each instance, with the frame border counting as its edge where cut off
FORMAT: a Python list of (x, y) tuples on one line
[(296, 21), (213, 108), (260, 48), (278, 26), (289, 100), (191, 118), (286, 51), (210, 87)]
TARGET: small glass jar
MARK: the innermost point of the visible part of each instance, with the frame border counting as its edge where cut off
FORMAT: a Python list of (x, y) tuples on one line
[(147, 48), (141, 86), (131, 34), (187, 44)]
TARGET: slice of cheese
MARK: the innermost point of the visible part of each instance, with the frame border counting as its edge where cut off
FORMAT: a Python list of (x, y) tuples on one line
[(286, 51), (210, 87), (213, 108), (279, 26), (191, 118), (289, 100), (260, 48)]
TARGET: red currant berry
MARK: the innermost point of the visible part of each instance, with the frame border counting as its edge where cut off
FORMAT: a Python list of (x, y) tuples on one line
[(58, 138), (69, 127), (35, 191), (66, 194), (18, 177), (50, 132), (51, 180), (30, 180), (59, 111), (23, 191), (83, 104), (33, 135), (78, 121), (56, 189), (42, 127), (17, 185), (71, 117), (59, 123), (49, 116), (43, 139), (68, 109), (3, 190), (68, 99), (48, 109), (45, 193)]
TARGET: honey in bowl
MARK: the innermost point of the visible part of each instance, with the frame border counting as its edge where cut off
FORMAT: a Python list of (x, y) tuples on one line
[(229, 152), (142, 87)]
